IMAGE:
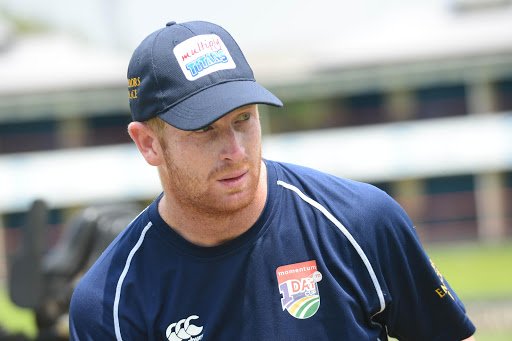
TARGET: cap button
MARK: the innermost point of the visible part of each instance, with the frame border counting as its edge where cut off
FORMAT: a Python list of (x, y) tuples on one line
[(170, 23)]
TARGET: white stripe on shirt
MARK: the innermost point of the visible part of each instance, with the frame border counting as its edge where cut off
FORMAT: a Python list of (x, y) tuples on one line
[(347, 234), (121, 279)]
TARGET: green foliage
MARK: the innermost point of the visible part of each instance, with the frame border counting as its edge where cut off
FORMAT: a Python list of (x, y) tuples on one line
[(476, 271), (22, 24), (15, 319), (494, 335), (479, 273)]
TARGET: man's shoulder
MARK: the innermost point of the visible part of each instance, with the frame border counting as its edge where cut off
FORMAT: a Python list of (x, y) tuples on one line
[(111, 261), (321, 183), (96, 290), (356, 203)]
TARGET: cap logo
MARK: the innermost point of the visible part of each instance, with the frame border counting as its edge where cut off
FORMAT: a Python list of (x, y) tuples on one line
[(201, 55)]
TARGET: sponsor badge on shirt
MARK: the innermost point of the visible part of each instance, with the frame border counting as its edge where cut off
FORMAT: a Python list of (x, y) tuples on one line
[(298, 284)]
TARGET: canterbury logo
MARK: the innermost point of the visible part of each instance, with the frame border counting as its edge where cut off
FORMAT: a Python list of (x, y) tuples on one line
[(184, 330)]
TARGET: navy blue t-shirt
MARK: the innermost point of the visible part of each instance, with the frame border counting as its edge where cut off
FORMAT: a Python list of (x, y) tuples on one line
[(328, 259)]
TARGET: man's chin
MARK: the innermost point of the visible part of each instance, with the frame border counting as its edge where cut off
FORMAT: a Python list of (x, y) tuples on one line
[(236, 199), (225, 209)]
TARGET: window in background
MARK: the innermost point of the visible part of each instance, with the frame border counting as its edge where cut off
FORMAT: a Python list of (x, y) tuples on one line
[(441, 101), (29, 136), (449, 209), (13, 223), (300, 116), (108, 129), (504, 95), (508, 203), (365, 109)]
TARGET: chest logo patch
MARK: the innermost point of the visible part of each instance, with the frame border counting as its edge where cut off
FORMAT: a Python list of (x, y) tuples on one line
[(298, 284), (184, 330)]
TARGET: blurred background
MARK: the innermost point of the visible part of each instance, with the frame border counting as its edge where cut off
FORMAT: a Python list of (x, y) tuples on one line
[(413, 96)]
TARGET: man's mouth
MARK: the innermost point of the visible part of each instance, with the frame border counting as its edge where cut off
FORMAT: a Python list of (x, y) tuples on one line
[(234, 178)]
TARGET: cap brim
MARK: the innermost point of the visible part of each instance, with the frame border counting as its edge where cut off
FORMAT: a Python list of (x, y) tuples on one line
[(207, 106)]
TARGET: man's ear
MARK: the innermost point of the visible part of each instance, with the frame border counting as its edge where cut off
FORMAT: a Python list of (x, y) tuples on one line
[(147, 142)]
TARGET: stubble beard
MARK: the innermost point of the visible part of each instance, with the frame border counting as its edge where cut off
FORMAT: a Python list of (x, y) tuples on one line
[(187, 193)]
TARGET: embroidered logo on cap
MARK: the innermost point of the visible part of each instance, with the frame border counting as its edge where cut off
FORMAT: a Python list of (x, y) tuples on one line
[(201, 55), (298, 283)]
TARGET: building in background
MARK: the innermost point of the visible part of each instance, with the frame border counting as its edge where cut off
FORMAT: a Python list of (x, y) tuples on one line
[(428, 120)]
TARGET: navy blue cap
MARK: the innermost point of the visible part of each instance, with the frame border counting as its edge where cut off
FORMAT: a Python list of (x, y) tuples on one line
[(190, 75)]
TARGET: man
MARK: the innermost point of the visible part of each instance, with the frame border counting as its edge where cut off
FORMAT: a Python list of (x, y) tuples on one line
[(240, 248)]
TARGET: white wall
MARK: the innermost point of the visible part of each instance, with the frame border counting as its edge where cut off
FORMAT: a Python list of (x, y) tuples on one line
[(462, 145)]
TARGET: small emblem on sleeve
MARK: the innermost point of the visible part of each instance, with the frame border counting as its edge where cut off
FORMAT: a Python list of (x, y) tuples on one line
[(298, 284), (443, 290)]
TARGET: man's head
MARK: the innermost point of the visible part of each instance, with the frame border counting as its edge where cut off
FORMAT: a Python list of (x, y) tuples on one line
[(194, 77), (215, 170), (190, 75)]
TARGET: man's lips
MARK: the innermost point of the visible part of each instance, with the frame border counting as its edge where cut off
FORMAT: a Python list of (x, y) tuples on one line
[(233, 178)]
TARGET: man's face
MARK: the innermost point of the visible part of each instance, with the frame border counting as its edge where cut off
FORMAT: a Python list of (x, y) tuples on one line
[(214, 170)]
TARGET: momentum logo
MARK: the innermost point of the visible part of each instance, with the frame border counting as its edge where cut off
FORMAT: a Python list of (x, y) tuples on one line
[(298, 284)]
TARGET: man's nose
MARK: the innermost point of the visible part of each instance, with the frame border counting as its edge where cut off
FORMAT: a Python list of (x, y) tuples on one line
[(233, 149)]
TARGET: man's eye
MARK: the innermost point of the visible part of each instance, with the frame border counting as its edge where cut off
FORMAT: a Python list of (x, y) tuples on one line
[(244, 117), (203, 129)]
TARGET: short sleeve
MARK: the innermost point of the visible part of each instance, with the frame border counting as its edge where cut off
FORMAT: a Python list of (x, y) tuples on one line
[(95, 314), (89, 316), (420, 304)]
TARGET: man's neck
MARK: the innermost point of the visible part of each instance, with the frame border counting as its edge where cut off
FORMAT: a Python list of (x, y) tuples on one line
[(211, 230)]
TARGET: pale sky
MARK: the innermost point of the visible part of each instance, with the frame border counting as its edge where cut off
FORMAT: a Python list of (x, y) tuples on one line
[(276, 33), (269, 22)]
